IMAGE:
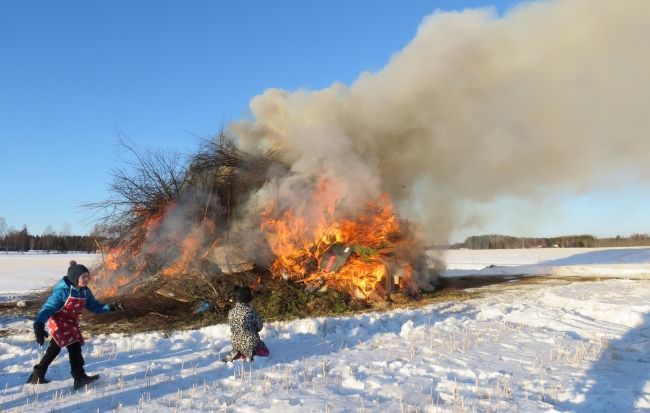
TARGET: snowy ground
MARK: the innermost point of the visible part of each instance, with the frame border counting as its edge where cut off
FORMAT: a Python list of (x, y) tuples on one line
[(581, 347), (604, 262), (22, 272)]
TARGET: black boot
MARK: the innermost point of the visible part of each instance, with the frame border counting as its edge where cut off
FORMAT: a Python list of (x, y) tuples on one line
[(81, 379), (37, 376)]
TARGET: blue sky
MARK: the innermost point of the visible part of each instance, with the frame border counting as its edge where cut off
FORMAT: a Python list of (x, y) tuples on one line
[(163, 72)]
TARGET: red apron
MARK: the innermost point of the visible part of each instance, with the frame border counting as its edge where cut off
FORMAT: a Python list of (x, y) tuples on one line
[(64, 324)]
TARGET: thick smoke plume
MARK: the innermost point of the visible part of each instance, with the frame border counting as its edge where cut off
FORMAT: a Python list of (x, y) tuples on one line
[(553, 95)]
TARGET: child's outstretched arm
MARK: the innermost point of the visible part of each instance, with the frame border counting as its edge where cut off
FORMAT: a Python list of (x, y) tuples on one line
[(95, 306)]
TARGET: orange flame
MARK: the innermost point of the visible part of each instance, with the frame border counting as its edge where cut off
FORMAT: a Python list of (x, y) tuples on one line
[(298, 238), (114, 274), (300, 242)]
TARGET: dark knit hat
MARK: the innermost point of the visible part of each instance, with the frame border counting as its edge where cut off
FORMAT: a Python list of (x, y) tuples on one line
[(243, 294), (74, 272)]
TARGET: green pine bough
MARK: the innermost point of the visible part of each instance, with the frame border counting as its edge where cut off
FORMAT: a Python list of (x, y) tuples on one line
[(366, 253)]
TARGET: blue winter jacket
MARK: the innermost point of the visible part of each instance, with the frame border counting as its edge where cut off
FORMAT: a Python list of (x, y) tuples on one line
[(62, 290)]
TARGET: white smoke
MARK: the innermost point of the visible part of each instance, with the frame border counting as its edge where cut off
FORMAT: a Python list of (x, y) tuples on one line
[(553, 95)]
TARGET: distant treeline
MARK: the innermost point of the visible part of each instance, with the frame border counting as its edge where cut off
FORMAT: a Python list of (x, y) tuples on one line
[(12, 240), (22, 241), (487, 242)]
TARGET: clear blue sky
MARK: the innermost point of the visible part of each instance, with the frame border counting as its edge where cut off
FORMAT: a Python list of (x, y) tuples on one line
[(161, 72)]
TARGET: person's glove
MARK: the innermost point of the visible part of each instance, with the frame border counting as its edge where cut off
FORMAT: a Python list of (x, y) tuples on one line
[(40, 333), (116, 306)]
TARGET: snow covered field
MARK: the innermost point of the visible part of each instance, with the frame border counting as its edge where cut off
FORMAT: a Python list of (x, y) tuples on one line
[(605, 262), (21, 272), (581, 347)]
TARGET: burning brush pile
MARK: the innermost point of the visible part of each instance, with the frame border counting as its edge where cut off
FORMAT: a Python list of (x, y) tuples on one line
[(190, 227)]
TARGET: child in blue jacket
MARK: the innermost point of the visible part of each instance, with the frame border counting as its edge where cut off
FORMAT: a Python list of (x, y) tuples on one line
[(61, 312)]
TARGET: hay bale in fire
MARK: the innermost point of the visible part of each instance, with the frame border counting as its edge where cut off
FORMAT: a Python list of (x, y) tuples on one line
[(178, 221)]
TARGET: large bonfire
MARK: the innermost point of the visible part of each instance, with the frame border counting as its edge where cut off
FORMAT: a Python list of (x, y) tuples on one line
[(196, 225)]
